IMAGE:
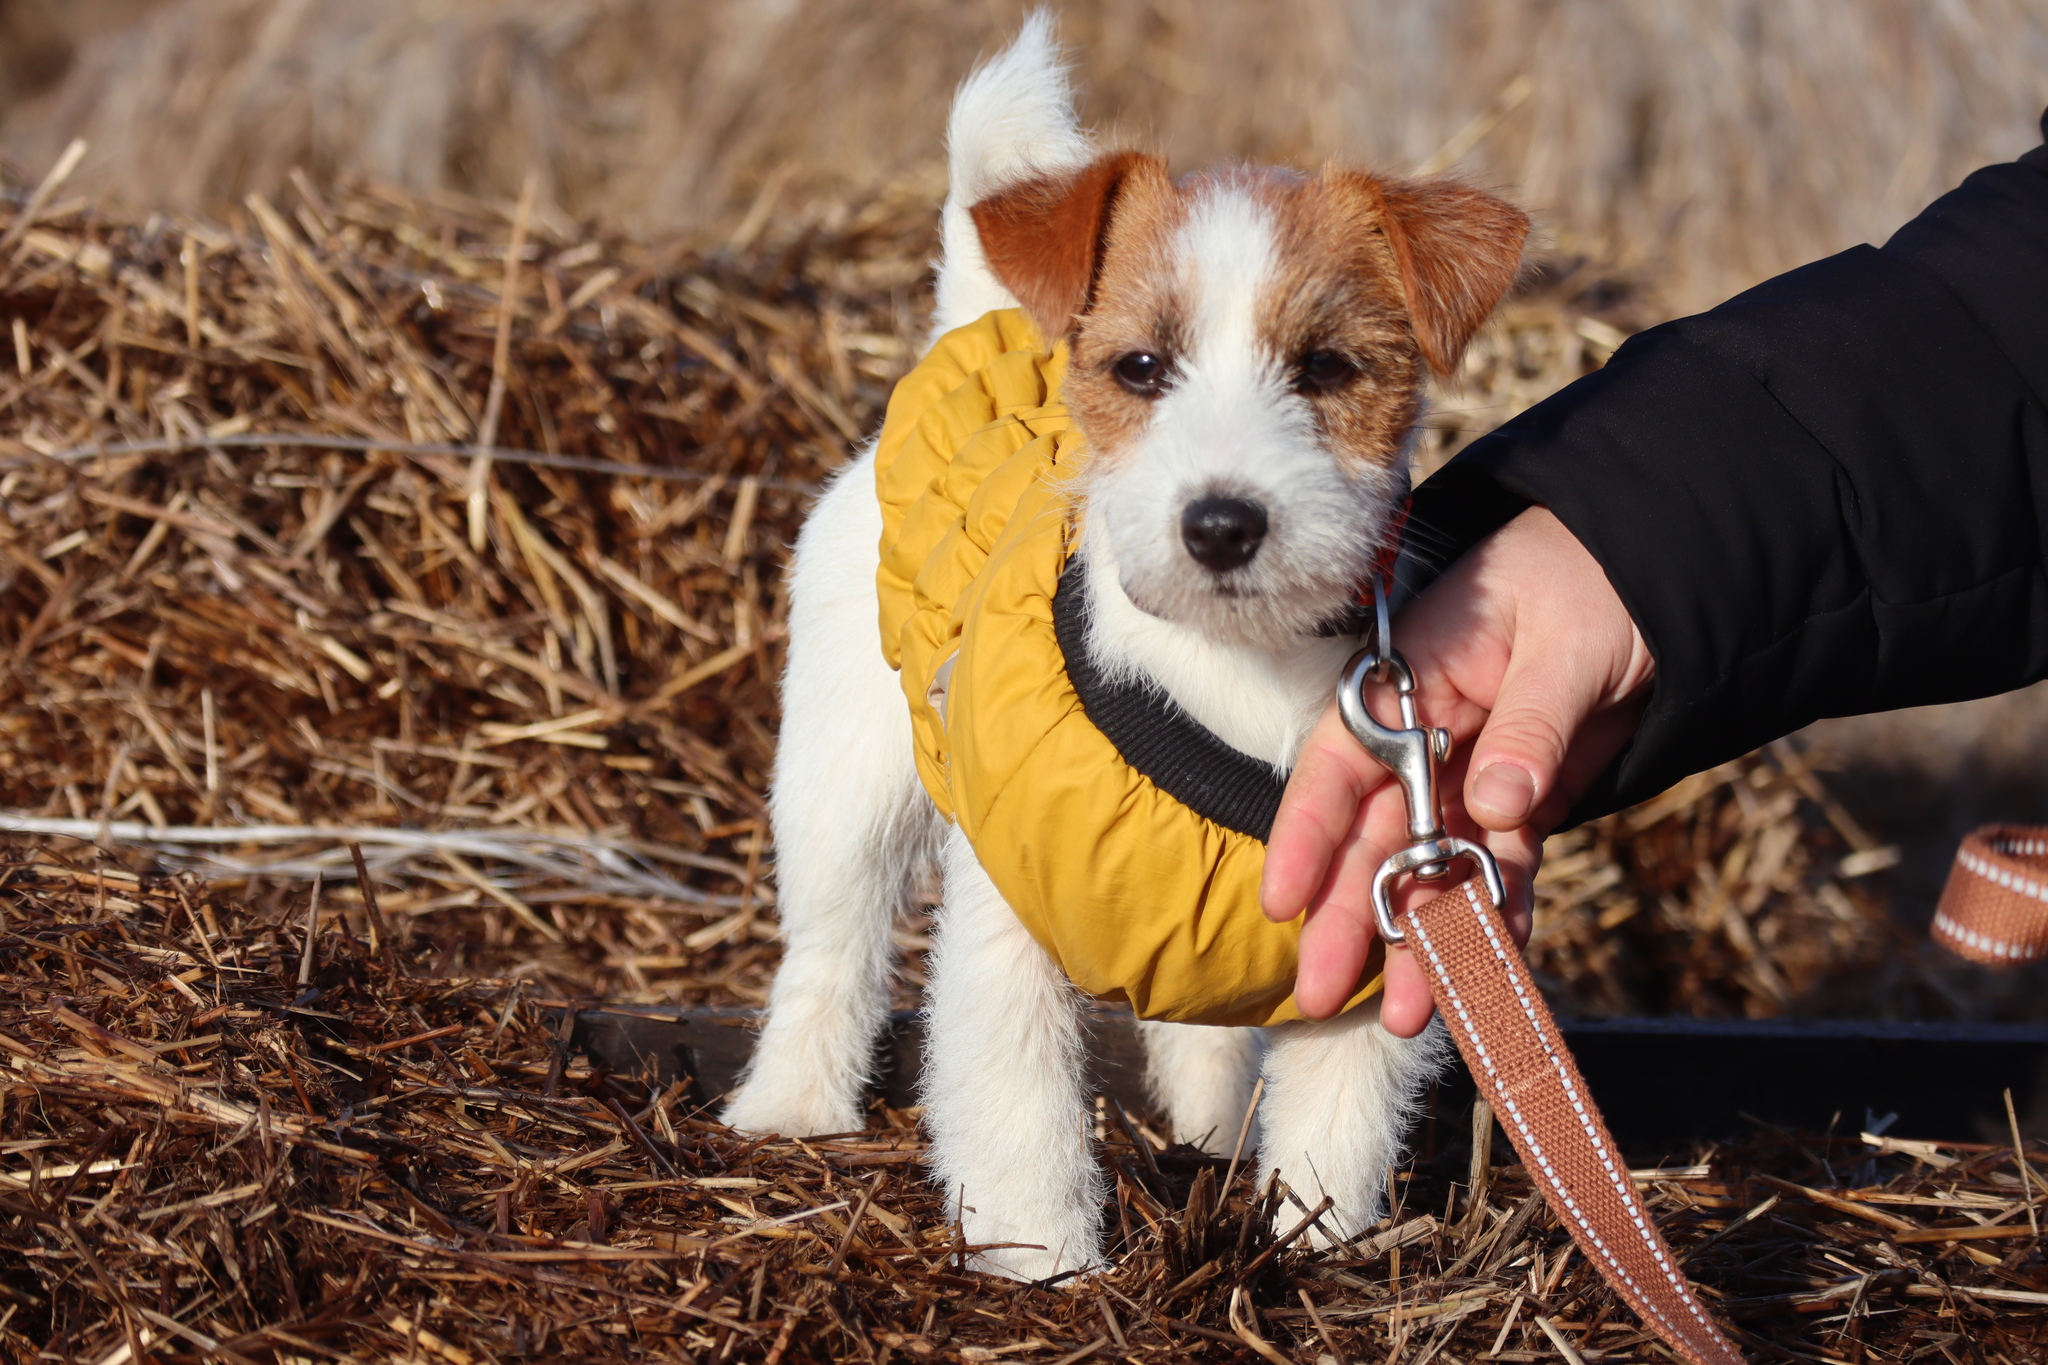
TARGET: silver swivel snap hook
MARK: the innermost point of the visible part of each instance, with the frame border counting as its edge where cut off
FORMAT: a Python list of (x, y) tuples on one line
[(1411, 753)]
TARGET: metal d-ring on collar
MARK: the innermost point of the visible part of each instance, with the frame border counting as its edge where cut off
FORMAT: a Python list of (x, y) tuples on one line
[(1411, 753)]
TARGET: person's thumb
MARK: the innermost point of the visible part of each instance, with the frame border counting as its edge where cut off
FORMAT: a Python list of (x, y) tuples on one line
[(1522, 747)]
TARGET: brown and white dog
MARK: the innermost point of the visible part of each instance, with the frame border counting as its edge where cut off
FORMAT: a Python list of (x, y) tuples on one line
[(1249, 346)]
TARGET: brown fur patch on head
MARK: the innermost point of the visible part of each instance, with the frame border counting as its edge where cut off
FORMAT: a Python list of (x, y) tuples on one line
[(1137, 306), (1458, 249), (1044, 237), (1337, 291)]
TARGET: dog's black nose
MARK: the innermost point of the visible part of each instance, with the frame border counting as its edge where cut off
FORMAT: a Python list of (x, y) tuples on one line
[(1222, 533)]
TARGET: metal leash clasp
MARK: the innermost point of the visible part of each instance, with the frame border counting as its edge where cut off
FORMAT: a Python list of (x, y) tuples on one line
[(1411, 753)]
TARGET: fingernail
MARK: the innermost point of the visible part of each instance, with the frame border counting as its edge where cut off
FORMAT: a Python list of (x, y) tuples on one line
[(1505, 791)]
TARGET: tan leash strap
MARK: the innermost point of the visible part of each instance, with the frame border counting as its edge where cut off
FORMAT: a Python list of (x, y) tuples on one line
[(1995, 906), (1993, 910), (1496, 1015)]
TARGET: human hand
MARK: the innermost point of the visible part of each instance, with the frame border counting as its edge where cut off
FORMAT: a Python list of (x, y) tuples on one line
[(1524, 644)]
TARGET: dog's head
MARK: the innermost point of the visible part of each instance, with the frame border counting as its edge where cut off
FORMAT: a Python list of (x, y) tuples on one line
[(1248, 349)]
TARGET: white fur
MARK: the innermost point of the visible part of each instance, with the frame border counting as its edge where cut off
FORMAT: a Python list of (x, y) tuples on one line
[(1259, 701), (1012, 119), (1339, 1097), (1202, 1078), (855, 828), (1005, 1085)]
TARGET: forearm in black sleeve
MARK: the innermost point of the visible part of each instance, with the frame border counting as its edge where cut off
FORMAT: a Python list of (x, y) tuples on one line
[(1825, 497)]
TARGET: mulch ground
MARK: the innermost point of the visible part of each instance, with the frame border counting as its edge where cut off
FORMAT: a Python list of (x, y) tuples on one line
[(221, 1141)]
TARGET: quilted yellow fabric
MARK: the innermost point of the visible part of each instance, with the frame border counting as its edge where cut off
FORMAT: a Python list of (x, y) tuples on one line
[(1134, 895)]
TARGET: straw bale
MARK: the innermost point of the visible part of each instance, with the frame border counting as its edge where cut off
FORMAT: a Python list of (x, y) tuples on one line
[(1711, 141)]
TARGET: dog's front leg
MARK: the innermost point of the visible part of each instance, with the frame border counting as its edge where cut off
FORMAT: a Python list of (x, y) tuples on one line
[(1339, 1097), (1201, 1076), (1005, 1085), (852, 830)]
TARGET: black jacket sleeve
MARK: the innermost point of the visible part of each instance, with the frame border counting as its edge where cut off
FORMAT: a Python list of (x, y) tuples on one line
[(1824, 497)]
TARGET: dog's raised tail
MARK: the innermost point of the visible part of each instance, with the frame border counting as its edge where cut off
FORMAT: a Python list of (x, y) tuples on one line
[(1012, 119)]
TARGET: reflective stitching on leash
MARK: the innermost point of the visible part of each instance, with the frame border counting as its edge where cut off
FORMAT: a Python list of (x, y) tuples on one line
[(1627, 1190), (1992, 872), (1947, 926), (1620, 1179), (1983, 943), (1556, 1183)]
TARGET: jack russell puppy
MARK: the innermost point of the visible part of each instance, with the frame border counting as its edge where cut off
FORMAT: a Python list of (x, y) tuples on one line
[(1231, 366)]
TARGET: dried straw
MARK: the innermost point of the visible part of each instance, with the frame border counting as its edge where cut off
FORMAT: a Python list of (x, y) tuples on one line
[(244, 620), (202, 1159)]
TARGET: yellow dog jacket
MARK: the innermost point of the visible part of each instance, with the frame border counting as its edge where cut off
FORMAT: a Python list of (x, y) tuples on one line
[(1127, 838)]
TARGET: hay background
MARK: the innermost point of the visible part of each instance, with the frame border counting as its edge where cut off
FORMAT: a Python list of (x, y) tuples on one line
[(1704, 143)]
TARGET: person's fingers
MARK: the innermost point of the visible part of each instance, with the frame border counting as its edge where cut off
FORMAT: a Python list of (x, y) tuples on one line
[(1318, 818), (1338, 931), (1405, 1005), (1521, 749), (1519, 853), (1340, 927), (1598, 740), (1337, 937), (1331, 960)]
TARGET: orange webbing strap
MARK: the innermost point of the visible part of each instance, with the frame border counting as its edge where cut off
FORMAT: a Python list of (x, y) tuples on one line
[(1995, 906), (1485, 994)]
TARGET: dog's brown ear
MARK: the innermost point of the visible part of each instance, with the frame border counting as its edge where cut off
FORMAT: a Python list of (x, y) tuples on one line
[(1458, 250), (1044, 237)]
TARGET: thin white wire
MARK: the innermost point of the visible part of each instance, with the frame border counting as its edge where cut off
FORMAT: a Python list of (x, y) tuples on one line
[(589, 862), (313, 440)]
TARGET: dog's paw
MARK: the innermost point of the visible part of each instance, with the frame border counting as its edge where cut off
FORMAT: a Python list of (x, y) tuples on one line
[(1060, 1244), (1330, 1234), (759, 1108), (1032, 1264), (1336, 1227)]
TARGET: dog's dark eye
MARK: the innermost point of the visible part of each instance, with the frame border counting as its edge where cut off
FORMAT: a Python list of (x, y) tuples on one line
[(1322, 371), (1142, 372)]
